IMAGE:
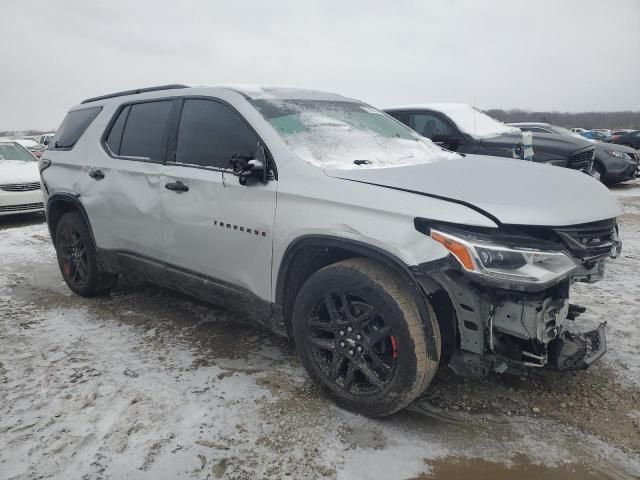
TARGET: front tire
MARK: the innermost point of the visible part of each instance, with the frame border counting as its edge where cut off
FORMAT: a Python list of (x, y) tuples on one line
[(77, 257), (359, 335)]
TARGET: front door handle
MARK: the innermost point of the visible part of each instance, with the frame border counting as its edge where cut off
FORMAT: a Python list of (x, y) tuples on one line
[(177, 187), (96, 174)]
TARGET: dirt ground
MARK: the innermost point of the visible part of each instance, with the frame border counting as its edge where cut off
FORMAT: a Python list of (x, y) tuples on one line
[(147, 383)]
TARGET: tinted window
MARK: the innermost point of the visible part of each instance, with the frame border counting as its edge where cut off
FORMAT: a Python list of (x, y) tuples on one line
[(115, 135), (211, 133), (144, 131), (429, 125), (73, 126)]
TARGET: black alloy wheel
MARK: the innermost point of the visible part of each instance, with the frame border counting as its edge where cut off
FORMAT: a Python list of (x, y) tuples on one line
[(351, 343), (73, 252)]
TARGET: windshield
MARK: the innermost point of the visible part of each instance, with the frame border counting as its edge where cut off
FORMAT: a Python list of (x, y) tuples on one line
[(472, 121), (335, 134), (12, 151)]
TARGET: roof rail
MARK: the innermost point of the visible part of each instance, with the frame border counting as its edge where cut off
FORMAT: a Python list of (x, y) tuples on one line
[(133, 92)]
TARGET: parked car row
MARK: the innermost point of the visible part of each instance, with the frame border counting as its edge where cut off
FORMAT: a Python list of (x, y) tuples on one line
[(631, 137), (19, 180), (382, 250), (464, 129), (612, 163)]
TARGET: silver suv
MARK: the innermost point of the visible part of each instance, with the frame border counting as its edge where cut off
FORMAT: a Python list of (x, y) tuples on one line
[(379, 253)]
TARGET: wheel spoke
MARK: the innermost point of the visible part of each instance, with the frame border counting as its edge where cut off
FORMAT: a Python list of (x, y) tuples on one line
[(362, 319), (336, 363), (378, 364), (370, 375), (348, 378), (330, 304), (82, 269), (346, 307), (322, 343), (317, 324)]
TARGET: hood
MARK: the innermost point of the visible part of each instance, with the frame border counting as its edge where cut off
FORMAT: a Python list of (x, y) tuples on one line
[(541, 142), (15, 171), (506, 190), (614, 147)]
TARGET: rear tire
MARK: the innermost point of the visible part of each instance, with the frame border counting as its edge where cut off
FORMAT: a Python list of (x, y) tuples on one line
[(77, 258), (359, 335)]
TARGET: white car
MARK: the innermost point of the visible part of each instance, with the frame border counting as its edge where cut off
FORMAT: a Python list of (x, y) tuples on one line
[(19, 180), (45, 138), (381, 254)]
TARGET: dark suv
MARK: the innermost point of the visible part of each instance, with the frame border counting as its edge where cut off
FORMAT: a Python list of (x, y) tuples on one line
[(462, 128)]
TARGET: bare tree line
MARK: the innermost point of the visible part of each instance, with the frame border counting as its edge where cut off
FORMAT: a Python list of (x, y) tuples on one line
[(588, 120)]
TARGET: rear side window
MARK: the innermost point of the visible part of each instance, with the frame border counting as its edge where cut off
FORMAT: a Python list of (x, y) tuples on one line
[(73, 126), (143, 128), (210, 134)]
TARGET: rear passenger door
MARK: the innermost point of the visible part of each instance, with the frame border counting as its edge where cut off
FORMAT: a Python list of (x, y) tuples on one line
[(214, 229), (124, 201)]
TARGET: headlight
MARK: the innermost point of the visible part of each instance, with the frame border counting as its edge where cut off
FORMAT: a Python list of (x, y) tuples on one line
[(617, 154), (498, 262)]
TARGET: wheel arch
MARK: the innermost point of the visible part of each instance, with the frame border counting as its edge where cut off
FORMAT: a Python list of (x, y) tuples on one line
[(60, 203), (308, 254)]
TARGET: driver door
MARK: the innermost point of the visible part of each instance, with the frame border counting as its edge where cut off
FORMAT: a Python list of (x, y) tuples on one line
[(214, 229)]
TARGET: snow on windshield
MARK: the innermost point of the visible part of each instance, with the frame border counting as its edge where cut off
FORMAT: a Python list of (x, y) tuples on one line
[(335, 134), (472, 121)]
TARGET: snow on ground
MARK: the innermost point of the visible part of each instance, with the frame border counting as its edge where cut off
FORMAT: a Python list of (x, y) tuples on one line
[(616, 299), (150, 384)]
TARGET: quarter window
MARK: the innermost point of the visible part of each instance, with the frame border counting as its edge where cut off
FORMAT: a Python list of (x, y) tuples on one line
[(144, 130), (210, 134), (114, 139), (73, 126)]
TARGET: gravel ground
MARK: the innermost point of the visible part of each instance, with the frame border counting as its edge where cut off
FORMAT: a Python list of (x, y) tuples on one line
[(147, 383)]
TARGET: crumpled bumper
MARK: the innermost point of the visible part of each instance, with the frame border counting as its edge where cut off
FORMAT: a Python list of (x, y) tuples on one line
[(577, 351)]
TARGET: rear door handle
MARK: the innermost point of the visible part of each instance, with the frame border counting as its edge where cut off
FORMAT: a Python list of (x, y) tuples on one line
[(96, 174), (177, 187)]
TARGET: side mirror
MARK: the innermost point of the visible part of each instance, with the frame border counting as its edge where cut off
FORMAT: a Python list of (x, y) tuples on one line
[(253, 167), (450, 142)]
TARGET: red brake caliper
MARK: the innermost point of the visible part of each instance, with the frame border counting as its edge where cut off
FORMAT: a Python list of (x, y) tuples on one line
[(394, 347)]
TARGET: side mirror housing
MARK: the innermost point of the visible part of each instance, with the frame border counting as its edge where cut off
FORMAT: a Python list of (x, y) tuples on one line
[(450, 142), (253, 167)]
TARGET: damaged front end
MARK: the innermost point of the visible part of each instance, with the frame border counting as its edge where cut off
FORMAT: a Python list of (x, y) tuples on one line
[(509, 290)]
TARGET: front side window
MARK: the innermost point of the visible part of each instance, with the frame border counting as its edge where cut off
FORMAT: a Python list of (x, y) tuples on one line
[(73, 126), (144, 130), (346, 134), (429, 125), (211, 134)]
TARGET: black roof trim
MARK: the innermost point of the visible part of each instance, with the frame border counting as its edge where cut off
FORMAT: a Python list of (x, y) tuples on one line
[(133, 92)]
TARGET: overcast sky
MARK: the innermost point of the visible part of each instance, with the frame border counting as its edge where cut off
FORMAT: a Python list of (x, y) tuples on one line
[(571, 55)]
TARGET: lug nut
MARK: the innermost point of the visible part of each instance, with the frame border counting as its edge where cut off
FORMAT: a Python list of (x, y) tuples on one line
[(359, 349), (342, 333), (342, 344), (350, 352), (358, 337), (349, 329)]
